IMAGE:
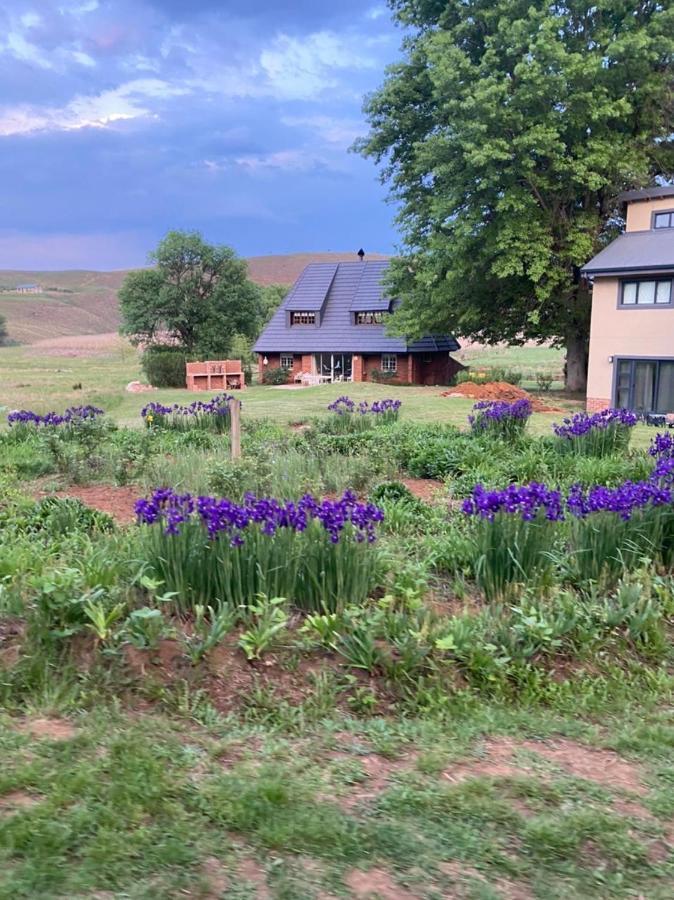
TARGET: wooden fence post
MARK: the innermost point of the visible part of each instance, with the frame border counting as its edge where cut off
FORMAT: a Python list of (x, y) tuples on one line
[(235, 433)]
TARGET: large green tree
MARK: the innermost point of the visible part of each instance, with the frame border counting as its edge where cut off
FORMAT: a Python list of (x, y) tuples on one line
[(197, 296), (4, 334), (506, 133)]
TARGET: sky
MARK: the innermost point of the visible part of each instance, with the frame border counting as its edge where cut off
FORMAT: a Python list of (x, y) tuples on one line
[(122, 119)]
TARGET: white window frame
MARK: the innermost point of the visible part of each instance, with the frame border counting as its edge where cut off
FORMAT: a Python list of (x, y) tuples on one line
[(303, 317), (371, 317), (389, 362), (286, 357)]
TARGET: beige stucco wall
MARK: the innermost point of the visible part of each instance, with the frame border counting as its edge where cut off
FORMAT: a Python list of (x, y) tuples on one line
[(639, 213), (622, 332)]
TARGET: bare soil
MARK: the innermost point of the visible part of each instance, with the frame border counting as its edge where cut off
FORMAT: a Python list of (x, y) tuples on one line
[(376, 883), (426, 489), (46, 728), (117, 502), (250, 871), (602, 766), (15, 801), (378, 771), (498, 390)]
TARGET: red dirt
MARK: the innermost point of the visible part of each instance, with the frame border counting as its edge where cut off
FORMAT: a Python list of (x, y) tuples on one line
[(498, 390), (425, 489), (117, 502), (596, 764), (376, 883), (16, 800), (378, 771), (49, 729)]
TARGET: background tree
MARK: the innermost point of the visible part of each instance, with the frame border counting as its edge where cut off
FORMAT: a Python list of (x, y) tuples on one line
[(506, 134), (4, 334), (197, 296)]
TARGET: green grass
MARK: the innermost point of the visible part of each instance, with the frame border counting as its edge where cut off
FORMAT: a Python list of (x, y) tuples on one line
[(46, 382), (163, 806)]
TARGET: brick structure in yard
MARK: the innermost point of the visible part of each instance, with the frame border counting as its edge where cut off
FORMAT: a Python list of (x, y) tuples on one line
[(332, 328)]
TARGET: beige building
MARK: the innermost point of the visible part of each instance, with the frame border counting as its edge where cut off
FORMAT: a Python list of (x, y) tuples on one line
[(631, 361)]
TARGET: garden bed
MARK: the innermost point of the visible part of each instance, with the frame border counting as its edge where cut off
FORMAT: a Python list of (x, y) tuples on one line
[(498, 390)]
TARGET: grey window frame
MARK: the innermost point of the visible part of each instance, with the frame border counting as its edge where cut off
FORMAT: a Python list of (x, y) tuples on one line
[(662, 212), (633, 360), (625, 281)]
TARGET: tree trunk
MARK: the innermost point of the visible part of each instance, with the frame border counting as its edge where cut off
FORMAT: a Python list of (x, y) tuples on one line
[(575, 369)]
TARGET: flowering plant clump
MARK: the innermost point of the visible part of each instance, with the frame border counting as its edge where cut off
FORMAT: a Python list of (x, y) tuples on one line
[(597, 434), (312, 552), (350, 416), (608, 529), (74, 415), (210, 415), (500, 418)]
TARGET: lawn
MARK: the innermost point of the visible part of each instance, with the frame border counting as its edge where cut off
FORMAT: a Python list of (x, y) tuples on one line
[(375, 696)]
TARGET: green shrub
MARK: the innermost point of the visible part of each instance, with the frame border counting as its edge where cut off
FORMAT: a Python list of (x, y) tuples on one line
[(543, 381), (275, 375), (164, 367), (379, 376), (487, 375)]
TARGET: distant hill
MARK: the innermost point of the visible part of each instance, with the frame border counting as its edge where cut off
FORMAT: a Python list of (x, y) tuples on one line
[(79, 302)]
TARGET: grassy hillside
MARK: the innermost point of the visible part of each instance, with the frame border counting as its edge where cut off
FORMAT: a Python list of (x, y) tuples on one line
[(81, 302)]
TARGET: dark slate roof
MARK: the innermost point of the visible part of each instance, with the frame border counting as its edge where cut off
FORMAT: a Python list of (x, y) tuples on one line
[(337, 332), (635, 251), (311, 288), (650, 193), (369, 295)]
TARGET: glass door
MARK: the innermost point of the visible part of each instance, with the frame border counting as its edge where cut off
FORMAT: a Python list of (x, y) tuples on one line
[(645, 385), (334, 366)]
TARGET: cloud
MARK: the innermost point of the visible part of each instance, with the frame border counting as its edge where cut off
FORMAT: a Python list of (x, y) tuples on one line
[(304, 68), (339, 133), (128, 101), (16, 45)]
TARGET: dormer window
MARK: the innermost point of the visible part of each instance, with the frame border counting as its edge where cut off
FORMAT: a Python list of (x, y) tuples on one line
[(302, 318), (376, 317), (663, 219)]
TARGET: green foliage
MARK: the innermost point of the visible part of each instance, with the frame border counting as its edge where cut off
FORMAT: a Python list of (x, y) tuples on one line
[(543, 381), (275, 375), (210, 628), (197, 293), (494, 373), (381, 376), (267, 620), (504, 187), (510, 552), (145, 627), (65, 515), (164, 367), (4, 334)]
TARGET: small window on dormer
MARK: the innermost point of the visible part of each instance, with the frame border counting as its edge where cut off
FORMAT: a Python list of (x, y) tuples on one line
[(376, 317), (303, 318), (663, 219)]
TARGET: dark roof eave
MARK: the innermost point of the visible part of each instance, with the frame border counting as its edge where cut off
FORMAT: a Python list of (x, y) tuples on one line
[(617, 270)]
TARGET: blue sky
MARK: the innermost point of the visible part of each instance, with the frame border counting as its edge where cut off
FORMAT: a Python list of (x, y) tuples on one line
[(121, 119)]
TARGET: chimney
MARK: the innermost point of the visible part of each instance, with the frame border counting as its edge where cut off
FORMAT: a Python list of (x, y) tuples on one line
[(361, 254)]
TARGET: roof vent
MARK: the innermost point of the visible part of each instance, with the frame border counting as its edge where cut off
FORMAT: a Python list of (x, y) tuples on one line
[(361, 254)]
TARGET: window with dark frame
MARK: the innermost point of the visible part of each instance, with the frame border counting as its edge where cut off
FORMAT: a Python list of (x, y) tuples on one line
[(303, 318), (389, 362), (376, 317), (286, 360), (645, 385), (649, 292), (664, 219)]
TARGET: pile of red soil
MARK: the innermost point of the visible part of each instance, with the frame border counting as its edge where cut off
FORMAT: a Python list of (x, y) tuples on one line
[(498, 390)]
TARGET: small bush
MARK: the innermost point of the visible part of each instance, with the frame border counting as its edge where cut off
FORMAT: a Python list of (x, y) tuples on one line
[(543, 381), (275, 375), (379, 376), (164, 367), (488, 375)]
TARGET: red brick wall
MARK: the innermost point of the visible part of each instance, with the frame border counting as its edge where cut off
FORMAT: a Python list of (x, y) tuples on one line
[(416, 368), (274, 362), (596, 404)]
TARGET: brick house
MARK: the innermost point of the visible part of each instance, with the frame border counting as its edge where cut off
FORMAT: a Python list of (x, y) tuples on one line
[(331, 327), (631, 362)]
